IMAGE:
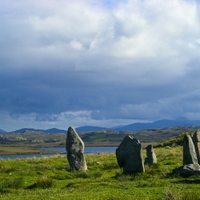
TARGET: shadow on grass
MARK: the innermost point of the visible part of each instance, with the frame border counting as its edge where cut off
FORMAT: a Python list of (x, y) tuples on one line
[(14, 183), (120, 176), (186, 181), (69, 185), (44, 183)]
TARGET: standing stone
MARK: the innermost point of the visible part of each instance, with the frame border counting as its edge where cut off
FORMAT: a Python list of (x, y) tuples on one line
[(196, 141), (151, 156), (190, 162), (189, 153), (129, 155), (75, 151)]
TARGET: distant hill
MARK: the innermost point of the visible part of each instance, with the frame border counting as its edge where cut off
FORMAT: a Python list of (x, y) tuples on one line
[(90, 128), (2, 131), (55, 130), (22, 130), (158, 124), (51, 131), (164, 123), (95, 138), (141, 126)]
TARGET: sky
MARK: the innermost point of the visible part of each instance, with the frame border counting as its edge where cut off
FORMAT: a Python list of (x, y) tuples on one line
[(98, 62)]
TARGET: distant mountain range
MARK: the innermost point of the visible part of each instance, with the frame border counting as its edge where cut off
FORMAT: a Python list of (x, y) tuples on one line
[(130, 127), (141, 126), (159, 124)]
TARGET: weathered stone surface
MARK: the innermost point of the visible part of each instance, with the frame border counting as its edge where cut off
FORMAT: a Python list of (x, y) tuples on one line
[(187, 170), (75, 151), (196, 141), (151, 156), (189, 153), (129, 155)]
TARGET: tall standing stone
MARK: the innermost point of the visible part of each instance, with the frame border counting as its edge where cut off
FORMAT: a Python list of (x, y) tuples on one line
[(196, 141), (189, 153), (129, 155), (75, 151), (151, 156)]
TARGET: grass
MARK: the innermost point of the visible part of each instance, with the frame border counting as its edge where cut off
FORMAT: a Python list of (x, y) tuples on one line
[(51, 178)]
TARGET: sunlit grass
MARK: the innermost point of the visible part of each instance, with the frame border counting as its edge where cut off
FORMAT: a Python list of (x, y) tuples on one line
[(51, 178)]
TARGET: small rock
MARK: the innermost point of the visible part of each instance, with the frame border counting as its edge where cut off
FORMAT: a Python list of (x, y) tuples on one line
[(151, 156), (187, 170)]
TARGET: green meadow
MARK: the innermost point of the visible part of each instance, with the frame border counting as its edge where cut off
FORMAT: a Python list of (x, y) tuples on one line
[(50, 178)]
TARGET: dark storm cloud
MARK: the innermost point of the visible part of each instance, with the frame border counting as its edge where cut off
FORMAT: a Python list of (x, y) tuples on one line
[(98, 62)]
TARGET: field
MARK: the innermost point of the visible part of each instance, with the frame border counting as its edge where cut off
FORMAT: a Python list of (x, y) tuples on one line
[(50, 178)]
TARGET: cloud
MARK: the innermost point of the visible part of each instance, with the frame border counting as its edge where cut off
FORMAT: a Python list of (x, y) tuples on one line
[(114, 60)]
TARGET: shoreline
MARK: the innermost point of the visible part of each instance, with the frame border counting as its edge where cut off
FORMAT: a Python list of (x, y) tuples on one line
[(6, 149), (58, 151)]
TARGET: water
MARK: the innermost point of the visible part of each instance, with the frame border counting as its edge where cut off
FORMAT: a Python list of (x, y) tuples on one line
[(88, 150)]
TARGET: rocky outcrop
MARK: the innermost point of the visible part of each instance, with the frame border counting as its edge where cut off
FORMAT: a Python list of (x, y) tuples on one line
[(129, 155), (187, 170), (75, 151), (151, 156)]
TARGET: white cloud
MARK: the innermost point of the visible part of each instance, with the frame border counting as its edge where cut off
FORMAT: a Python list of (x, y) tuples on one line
[(135, 30), (76, 45)]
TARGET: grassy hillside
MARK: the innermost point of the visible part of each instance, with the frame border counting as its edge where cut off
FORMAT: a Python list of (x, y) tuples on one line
[(50, 178)]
